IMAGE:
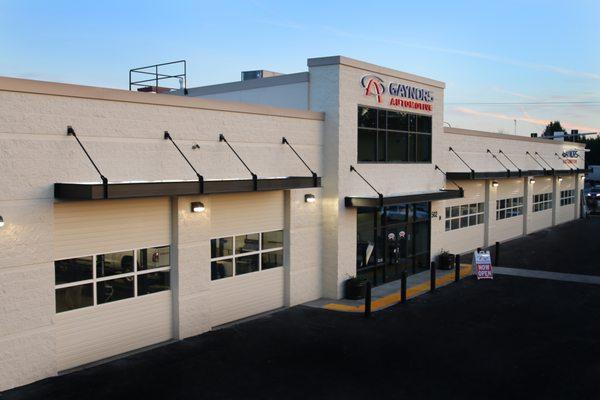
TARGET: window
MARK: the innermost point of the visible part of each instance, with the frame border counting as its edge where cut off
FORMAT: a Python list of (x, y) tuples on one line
[(464, 215), (242, 254), (508, 208), (567, 197), (104, 278), (542, 202), (392, 136)]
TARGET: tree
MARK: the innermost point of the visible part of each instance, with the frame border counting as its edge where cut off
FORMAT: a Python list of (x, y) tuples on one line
[(552, 127), (593, 156)]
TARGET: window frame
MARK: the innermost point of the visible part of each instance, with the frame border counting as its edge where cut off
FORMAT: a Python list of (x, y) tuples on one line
[(258, 252), (95, 279), (411, 136)]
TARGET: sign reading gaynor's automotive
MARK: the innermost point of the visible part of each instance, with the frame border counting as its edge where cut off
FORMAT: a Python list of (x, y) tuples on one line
[(400, 95)]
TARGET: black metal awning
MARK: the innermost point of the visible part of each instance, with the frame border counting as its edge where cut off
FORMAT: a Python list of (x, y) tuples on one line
[(473, 175), (126, 190), (375, 202)]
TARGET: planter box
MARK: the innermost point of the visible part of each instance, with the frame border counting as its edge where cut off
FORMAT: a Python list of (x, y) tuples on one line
[(355, 289), (446, 261)]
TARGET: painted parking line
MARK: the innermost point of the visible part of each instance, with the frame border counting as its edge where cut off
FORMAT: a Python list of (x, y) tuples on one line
[(555, 276), (391, 299)]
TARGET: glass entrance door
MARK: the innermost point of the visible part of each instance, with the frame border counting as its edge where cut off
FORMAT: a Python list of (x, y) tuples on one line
[(393, 239)]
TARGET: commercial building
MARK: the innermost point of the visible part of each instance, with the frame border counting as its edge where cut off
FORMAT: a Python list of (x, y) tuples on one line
[(131, 219)]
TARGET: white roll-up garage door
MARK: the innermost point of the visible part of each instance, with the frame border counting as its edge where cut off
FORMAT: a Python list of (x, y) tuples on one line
[(240, 296), (107, 327)]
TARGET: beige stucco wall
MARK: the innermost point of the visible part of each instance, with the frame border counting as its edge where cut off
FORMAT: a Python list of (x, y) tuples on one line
[(123, 132)]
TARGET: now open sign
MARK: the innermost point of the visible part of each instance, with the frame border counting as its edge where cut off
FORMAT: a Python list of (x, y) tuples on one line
[(483, 265)]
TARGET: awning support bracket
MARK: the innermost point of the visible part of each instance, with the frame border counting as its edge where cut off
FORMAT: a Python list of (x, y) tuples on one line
[(314, 174), (500, 162), (352, 169), (561, 159), (200, 177), (511, 161), (254, 176), (464, 162), (71, 132), (546, 162), (537, 162), (462, 191)]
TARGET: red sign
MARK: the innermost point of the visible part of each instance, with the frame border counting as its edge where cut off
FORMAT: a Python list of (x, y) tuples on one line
[(401, 95)]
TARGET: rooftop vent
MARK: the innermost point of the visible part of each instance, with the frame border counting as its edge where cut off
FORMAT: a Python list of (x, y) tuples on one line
[(257, 74)]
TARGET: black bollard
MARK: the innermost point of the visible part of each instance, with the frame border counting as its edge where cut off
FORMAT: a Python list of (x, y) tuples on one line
[(403, 287), (457, 268), (368, 300), (432, 269), (497, 254)]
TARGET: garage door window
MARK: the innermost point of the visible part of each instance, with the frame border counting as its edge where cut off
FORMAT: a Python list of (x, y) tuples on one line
[(104, 278), (567, 197), (542, 202), (242, 254), (508, 208)]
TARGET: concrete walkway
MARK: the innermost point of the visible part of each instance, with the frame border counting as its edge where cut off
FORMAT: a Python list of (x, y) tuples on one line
[(555, 276), (388, 294)]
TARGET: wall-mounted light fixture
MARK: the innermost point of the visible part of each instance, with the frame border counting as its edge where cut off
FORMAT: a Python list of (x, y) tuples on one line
[(560, 178), (532, 180), (1, 221), (310, 198), (582, 177), (495, 184), (198, 207)]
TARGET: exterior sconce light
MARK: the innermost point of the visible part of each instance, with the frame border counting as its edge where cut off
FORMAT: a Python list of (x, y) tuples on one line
[(532, 180), (310, 198), (495, 184), (560, 178), (582, 177), (198, 207), (1, 221)]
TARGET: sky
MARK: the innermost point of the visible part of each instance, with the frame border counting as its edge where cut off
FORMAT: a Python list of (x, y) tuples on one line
[(489, 53)]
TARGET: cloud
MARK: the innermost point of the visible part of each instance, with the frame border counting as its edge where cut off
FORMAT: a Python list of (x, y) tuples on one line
[(524, 117), (471, 54), (515, 94)]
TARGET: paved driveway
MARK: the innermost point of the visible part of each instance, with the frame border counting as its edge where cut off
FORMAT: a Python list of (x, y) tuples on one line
[(507, 338)]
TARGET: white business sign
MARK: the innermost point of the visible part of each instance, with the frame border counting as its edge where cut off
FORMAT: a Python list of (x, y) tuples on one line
[(482, 265)]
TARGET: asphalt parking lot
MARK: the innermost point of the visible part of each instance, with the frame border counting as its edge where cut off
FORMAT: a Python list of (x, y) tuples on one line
[(573, 247), (511, 337)]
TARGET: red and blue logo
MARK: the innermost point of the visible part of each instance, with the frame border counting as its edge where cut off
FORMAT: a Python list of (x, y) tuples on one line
[(373, 86)]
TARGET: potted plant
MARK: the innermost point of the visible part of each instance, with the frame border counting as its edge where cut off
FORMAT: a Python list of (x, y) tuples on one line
[(446, 260), (356, 288)]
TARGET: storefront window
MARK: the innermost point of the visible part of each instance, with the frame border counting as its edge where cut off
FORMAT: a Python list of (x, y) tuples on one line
[(391, 136), (365, 238)]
